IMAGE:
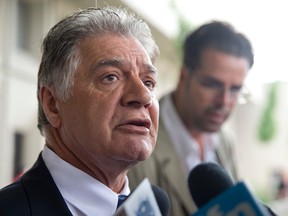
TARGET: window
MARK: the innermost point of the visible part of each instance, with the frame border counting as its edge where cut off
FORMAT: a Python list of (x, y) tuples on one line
[(18, 154)]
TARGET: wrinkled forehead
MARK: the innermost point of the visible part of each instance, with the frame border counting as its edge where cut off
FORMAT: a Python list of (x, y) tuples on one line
[(114, 45), (116, 51)]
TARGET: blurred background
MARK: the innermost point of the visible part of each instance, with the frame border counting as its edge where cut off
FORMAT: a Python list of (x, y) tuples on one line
[(260, 121)]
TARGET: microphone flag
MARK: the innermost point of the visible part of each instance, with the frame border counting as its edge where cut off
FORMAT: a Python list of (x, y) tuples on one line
[(234, 201), (141, 202)]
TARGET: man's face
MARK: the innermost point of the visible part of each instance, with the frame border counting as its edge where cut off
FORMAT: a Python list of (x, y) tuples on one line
[(112, 113), (211, 92)]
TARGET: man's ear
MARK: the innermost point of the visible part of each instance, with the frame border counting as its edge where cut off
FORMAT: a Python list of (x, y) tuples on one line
[(184, 74), (50, 106)]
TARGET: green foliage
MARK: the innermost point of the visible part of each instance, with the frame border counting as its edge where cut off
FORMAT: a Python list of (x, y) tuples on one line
[(264, 194), (184, 27), (267, 128)]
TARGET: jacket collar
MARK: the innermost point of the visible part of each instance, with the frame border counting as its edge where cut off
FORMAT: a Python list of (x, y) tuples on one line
[(169, 162), (44, 196)]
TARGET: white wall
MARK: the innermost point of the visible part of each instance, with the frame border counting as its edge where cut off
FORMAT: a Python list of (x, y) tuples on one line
[(259, 160)]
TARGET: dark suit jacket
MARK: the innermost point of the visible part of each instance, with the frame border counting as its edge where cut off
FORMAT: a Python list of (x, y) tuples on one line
[(34, 194)]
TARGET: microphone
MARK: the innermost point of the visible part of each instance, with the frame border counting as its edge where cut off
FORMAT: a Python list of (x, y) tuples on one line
[(162, 199), (146, 199), (215, 194)]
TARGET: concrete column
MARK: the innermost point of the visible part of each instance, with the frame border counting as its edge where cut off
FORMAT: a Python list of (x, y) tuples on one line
[(7, 19)]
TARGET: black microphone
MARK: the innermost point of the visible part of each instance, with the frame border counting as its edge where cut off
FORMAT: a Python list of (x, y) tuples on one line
[(162, 199), (210, 186), (206, 181)]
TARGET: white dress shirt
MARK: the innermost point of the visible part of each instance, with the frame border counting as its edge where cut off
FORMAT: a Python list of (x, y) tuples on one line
[(84, 195), (185, 145)]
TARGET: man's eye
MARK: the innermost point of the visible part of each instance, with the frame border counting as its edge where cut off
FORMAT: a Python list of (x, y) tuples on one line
[(110, 78), (235, 90), (212, 85), (150, 84)]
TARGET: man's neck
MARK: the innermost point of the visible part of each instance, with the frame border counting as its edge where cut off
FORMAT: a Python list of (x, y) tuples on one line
[(198, 136)]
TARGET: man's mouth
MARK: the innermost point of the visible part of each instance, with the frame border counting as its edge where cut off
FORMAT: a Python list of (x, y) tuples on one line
[(218, 117), (136, 125), (140, 123)]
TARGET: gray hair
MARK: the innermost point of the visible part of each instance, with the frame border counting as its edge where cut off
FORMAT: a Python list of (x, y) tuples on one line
[(60, 48)]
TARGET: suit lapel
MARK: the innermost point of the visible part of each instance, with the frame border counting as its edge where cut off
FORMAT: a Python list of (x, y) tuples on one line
[(44, 196), (225, 154), (168, 161)]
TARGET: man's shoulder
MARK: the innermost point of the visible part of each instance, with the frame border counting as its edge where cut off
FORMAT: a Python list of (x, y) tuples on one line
[(12, 191), (226, 135), (13, 199)]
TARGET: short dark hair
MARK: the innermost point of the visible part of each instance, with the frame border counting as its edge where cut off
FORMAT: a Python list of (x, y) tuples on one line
[(219, 36)]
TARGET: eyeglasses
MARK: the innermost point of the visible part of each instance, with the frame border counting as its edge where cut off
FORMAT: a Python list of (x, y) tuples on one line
[(216, 88)]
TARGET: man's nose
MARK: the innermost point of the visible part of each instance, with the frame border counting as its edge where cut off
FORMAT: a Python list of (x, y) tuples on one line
[(137, 94), (225, 96)]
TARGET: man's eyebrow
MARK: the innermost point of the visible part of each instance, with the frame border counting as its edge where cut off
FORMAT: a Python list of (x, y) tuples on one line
[(150, 68), (212, 79), (209, 79), (118, 62), (114, 62), (110, 62), (219, 82)]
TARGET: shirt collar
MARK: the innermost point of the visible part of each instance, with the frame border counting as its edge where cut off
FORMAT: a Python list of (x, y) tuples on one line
[(83, 194), (184, 144)]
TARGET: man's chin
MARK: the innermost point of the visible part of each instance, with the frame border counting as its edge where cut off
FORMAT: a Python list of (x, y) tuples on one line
[(212, 128), (139, 156), (144, 156), (146, 151)]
